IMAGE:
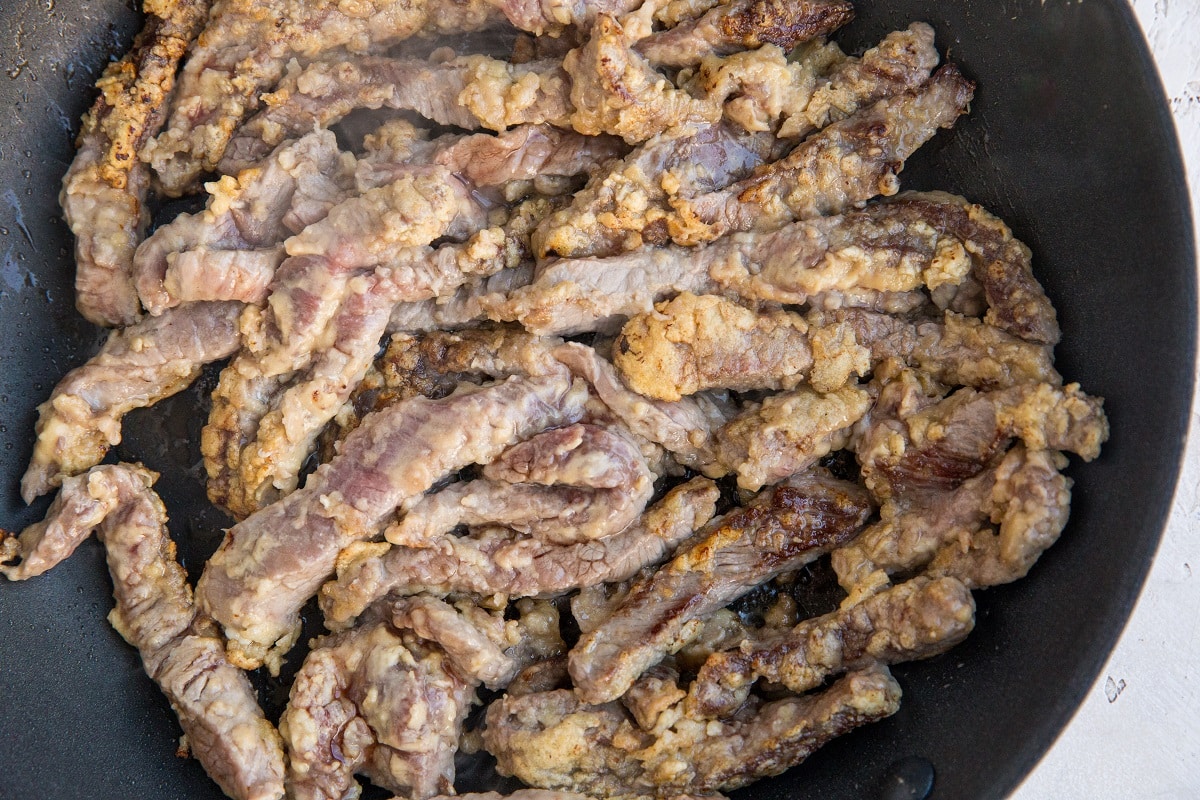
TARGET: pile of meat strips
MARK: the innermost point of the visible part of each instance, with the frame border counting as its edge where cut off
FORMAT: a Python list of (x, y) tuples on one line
[(658, 333)]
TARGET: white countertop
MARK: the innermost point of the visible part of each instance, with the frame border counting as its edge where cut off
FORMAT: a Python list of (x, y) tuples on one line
[(1137, 734)]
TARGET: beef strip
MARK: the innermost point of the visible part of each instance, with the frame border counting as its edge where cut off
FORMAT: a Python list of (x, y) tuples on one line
[(250, 213), (376, 701), (245, 50), (584, 482), (469, 92), (552, 16), (745, 24), (493, 563), (788, 433), (955, 350), (471, 648), (272, 562), (552, 739), (941, 445), (469, 304), (784, 528), (920, 618), (845, 164), (104, 191), (181, 650), (693, 343), (519, 794), (136, 367), (1024, 493), (684, 427)]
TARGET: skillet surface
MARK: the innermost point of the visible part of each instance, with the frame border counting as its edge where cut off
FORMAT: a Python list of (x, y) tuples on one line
[(1069, 140)]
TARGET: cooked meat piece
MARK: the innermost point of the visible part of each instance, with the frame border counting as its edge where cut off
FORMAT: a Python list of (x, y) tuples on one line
[(616, 90), (745, 24), (136, 367), (920, 618), (783, 529), (493, 563), (377, 702), (843, 165), (104, 191), (544, 676), (564, 499), (469, 304), (551, 16), (470, 649), (593, 604), (468, 92), (245, 50), (252, 212), (520, 794), (675, 12), (684, 427), (789, 433), (181, 650), (653, 694), (272, 562), (722, 630), (693, 343), (553, 739), (941, 445), (956, 350), (1025, 492), (619, 207), (1031, 502)]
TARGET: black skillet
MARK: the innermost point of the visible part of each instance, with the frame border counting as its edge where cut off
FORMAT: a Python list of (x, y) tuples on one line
[(1069, 140)]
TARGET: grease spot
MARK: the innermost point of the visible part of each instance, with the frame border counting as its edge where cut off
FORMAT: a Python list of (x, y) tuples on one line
[(909, 778)]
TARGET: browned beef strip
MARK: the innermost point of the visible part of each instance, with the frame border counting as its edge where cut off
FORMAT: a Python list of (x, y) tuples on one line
[(376, 701), (519, 794), (842, 166), (181, 650), (552, 16), (920, 618), (1025, 493), (941, 445), (104, 191), (745, 24), (252, 212), (272, 562), (782, 529), (470, 647), (493, 563), (560, 501), (552, 739), (136, 367)]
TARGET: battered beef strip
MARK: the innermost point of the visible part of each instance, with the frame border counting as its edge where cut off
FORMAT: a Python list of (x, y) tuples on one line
[(692, 343), (582, 482), (104, 191), (272, 562), (941, 445), (245, 49), (843, 165), (684, 427), (552, 739), (136, 367), (471, 647), (744, 25), (519, 794), (1025, 494), (376, 701), (920, 618), (788, 433), (889, 248), (492, 562), (783, 529), (631, 202), (230, 250), (468, 92), (467, 305), (181, 650)]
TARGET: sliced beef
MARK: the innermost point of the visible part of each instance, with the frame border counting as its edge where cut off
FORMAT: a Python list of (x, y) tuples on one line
[(181, 650), (843, 165), (494, 563), (782, 529), (136, 367), (745, 24), (272, 562), (920, 618), (552, 739), (788, 433), (104, 191), (377, 701)]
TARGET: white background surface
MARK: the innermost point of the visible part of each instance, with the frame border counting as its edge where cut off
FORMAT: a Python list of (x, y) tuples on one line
[(1137, 735)]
